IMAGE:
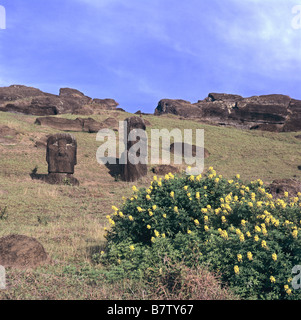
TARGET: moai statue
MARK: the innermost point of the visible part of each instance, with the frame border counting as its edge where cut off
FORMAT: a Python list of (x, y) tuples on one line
[(134, 159), (61, 157), (61, 153)]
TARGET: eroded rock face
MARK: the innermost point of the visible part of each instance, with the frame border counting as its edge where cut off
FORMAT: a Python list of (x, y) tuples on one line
[(131, 171), (32, 101), (19, 251), (268, 112)]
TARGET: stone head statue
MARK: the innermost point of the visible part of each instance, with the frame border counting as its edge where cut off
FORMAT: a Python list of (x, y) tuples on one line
[(61, 153)]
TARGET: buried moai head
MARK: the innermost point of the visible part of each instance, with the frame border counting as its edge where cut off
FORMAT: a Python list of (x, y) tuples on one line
[(61, 153)]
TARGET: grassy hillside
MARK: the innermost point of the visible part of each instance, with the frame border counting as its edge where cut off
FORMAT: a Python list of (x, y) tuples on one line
[(69, 221)]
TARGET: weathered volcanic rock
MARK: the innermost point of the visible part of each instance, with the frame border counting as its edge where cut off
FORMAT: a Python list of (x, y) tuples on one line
[(60, 123), (105, 104), (19, 251), (73, 93), (273, 112), (90, 125), (111, 123), (293, 122), (16, 92), (177, 107), (223, 97), (28, 100), (78, 125), (269, 109)]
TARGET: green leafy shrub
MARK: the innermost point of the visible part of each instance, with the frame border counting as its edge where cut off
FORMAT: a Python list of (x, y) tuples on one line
[(237, 228)]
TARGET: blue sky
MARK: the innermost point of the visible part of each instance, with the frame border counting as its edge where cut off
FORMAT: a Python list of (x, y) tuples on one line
[(140, 51)]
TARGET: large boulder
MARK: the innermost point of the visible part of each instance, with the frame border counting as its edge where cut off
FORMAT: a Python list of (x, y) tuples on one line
[(19, 251), (177, 107)]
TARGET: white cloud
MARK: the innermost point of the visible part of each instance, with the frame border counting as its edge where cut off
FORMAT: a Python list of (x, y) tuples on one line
[(262, 29)]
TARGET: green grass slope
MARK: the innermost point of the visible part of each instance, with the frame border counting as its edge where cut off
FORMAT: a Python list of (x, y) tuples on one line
[(69, 221)]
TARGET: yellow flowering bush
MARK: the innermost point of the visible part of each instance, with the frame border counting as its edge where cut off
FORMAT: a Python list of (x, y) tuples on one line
[(239, 229)]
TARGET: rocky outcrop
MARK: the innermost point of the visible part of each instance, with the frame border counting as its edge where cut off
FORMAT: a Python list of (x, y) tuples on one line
[(268, 112), (32, 101)]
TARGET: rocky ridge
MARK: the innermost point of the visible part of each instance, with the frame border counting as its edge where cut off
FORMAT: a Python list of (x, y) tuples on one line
[(32, 101), (274, 112)]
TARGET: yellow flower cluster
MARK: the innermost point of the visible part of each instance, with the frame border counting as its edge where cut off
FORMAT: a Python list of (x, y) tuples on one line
[(236, 269), (260, 207), (287, 289), (223, 233)]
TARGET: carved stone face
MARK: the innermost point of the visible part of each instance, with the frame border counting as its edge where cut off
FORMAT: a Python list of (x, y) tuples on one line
[(61, 153)]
